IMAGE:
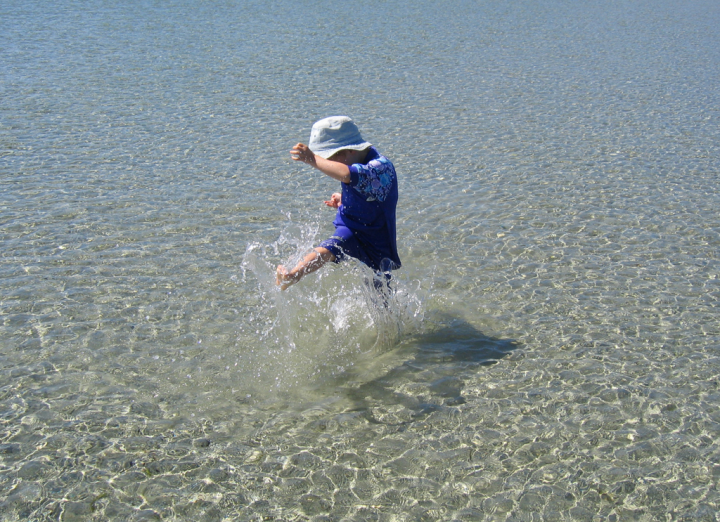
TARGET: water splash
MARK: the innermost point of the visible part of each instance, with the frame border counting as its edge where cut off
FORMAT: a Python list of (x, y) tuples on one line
[(329, 326)]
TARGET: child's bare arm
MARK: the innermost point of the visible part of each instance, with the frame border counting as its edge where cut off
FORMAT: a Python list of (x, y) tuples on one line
[(334, 169)]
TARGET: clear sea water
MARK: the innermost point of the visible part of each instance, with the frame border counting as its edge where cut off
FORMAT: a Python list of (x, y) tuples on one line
[(552, 348)]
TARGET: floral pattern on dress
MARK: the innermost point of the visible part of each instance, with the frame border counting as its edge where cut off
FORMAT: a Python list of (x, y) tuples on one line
[(375, 180)]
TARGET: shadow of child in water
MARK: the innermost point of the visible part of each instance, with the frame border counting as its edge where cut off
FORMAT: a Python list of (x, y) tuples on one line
[(437, 362)]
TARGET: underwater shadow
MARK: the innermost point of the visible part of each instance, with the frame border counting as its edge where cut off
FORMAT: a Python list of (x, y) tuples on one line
[(433, 375)]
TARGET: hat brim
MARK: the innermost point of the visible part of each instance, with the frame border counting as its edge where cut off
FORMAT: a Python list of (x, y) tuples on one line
[(326, 153)]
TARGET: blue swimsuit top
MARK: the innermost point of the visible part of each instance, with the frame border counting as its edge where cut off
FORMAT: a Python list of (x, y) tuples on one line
[(368, 207)]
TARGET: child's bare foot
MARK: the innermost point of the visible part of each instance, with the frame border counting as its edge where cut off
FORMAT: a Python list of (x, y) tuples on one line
[(283, 279)]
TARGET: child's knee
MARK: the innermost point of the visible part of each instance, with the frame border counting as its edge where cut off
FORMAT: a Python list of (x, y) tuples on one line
[(325, 254)]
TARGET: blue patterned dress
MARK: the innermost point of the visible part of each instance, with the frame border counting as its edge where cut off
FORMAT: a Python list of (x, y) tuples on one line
[(365, 222)]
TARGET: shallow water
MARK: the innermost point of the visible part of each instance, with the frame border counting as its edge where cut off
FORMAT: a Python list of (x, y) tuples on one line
[(550, 351)]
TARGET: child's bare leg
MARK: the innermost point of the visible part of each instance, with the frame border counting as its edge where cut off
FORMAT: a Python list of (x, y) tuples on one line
[(314, 260)]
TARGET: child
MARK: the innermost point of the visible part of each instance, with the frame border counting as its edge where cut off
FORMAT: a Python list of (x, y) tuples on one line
[(365, 219)]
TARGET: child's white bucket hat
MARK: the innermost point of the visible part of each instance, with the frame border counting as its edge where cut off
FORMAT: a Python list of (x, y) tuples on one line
[(333, 134)]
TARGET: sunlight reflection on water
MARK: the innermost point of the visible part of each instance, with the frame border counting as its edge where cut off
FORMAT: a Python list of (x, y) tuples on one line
[(553, 343)]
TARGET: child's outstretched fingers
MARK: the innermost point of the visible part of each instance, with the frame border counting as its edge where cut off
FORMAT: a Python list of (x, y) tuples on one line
[(301, 152)]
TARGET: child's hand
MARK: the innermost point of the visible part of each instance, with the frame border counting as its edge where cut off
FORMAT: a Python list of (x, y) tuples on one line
[(302, 153), (335, 200)]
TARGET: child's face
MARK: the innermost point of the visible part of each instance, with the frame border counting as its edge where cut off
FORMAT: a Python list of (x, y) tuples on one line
[(349, 156), (341, 156)]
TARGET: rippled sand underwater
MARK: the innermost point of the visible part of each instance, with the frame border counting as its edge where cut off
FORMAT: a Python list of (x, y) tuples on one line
[(550, 347)]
